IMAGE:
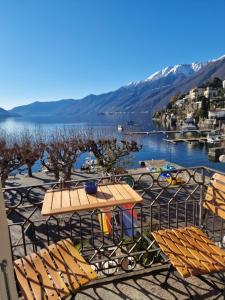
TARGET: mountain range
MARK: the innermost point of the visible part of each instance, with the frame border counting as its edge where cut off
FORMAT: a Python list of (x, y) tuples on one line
[(4, 113), (143, 96)]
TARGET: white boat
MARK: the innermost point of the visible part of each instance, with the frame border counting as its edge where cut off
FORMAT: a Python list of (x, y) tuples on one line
[(214, 138), (120, 127)]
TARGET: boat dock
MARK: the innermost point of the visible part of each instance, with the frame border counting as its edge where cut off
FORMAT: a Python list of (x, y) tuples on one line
[(167, 131), (187, 140)]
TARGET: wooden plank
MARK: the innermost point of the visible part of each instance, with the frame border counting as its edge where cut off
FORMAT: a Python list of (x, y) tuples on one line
[(123, 191), (176, 260), (219, 177), (72, 265), (67, 275), (175, 243), (22, 279), (59, 283), (115, 192), (83, 197), (92, 199), (47, 203), (47, 283), (219, 185), (202, 256), (33, 279), (216, 252), (107, 194), (57, 200), (215, 201), (135, 196), (74, 197), (66, 198), (215, 260), (103, 198), (80, 260)]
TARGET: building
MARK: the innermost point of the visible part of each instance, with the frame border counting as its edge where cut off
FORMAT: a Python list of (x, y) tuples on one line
[(197, 105), (180, 103), (217, 113), (196, 92), (210, 92)]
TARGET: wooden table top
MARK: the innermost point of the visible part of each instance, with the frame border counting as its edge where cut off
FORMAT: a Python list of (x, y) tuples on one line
[(71, 200)]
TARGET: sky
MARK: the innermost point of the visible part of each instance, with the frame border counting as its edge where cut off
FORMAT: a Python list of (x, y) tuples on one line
[(60, 49)]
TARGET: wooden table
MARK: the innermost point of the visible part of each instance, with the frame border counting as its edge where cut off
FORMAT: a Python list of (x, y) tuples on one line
[(71, 200)]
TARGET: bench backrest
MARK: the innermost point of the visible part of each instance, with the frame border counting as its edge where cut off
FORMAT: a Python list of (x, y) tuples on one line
[(215, 195)]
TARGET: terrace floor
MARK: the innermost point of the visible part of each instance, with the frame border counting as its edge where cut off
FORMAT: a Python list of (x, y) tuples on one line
[(145, 287)]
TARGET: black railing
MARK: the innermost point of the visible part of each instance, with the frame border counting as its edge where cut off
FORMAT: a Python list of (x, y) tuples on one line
[(170, 200)]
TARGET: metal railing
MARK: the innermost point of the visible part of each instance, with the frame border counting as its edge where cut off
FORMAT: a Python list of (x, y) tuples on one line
[(170, 200)]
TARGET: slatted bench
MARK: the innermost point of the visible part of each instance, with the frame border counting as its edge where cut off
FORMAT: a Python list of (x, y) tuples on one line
[(53, 273), (189, 249)]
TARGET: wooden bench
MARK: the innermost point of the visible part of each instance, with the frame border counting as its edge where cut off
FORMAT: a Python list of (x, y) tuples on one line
[(189, 249), (52, 273)]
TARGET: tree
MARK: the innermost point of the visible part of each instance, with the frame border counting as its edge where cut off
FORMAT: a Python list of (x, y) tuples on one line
[(63, 146), (32, 148), (10, 155), (109, 150), (203, 113), (214, 82)]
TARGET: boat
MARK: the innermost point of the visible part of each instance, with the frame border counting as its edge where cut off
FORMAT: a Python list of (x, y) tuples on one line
[(213, 138), (168, 167), (89, 164), (120, 127)]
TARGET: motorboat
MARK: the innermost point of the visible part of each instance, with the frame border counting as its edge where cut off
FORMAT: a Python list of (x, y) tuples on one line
[(214, 138), (120, 127)]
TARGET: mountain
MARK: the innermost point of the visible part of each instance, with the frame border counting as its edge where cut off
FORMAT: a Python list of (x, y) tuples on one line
[(184, 70), (143, 96), (4, 113), (42, 108)]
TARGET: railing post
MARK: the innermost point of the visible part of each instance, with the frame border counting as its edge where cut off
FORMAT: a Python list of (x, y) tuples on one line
[(7, 281), (201, 197)]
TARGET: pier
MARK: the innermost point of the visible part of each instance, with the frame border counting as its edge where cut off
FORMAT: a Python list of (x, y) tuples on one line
[(187, 140), (167, 131)]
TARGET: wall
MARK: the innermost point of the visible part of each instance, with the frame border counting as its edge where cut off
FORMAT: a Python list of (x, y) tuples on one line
[(5, 254)]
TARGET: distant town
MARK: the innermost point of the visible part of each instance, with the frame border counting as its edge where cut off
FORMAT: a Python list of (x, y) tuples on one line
[(203, 106)]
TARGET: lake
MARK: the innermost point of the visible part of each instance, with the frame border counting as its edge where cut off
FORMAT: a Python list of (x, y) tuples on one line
[(185, 154)]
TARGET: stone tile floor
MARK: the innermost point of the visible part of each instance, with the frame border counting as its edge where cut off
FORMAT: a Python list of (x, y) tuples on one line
[(147, 287)]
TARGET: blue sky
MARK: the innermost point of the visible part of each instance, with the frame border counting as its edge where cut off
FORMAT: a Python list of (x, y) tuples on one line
[(57, 49)]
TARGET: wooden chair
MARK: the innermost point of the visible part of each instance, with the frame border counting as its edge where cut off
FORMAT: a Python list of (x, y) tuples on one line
[(53, 272), (189, 249)]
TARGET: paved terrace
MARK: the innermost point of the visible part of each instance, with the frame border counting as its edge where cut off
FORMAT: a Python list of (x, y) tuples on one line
[(178, 206), (148, 286)]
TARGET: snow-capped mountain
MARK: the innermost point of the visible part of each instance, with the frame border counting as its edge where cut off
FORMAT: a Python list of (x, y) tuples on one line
[(143, 96), (186, 70), (183, 70)]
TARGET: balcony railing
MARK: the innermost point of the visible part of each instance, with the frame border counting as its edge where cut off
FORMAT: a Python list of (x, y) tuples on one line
[(169, 201)]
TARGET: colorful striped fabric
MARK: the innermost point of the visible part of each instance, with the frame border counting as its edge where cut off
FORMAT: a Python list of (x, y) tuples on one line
[(129, 220), (104, 219)]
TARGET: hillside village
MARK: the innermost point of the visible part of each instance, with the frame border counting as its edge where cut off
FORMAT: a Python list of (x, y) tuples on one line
[(203, 105)]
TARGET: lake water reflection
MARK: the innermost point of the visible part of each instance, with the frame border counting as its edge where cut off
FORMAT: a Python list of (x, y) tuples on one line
[(154, 147)]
